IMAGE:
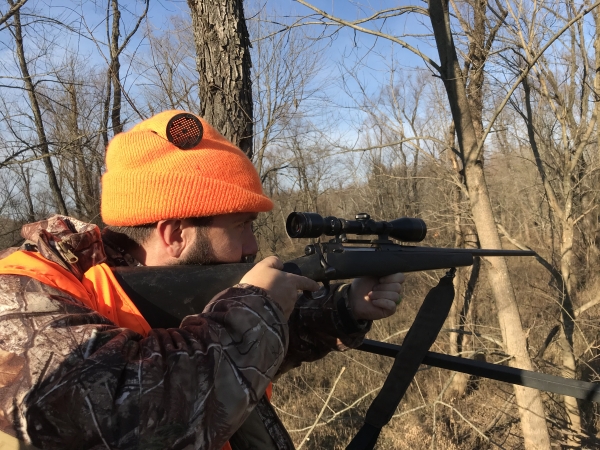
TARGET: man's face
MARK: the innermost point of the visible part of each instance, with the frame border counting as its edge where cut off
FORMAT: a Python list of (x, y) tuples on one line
[(228, 239)]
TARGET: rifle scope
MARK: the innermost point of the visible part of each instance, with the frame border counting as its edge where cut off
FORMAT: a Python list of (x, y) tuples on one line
[(307, 225)]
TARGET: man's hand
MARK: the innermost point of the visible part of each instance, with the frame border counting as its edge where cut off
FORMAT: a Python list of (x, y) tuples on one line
[(282, 287), (372, 298)]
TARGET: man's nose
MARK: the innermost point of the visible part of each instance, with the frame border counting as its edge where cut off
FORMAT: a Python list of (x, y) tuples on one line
[(250, 246)]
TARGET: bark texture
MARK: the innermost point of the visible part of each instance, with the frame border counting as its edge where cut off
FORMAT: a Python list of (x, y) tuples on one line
[(115, 67), (461, 315), (531, 409), (223, 63)]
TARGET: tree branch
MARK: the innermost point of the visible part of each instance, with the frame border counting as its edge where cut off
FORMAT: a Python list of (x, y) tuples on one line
[(14, 7), (356, 27), (526, 71)]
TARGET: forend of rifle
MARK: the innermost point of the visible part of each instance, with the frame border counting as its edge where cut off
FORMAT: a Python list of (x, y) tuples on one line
[(312, 225)]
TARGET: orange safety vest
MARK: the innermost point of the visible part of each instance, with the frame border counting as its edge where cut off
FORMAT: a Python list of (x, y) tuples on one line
[(98, 290)]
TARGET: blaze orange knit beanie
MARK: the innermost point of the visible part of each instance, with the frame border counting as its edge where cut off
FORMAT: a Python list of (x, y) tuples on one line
[(175, 165)]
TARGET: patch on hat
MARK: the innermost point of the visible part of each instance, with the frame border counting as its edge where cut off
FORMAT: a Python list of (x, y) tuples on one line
[(184, 131)]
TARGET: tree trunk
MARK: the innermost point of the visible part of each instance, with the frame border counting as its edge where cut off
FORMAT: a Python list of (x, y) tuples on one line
[(223, 63), (86, 202), (113, 79), (26, 177), (565, 340), (115, 66), (475, 62), (591, 220), (37, 117), (564, 220), (106, 109), (461, 312), (531, 409)]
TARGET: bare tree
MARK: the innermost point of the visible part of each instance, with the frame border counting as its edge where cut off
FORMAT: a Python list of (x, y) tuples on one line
[(170, 79), (530, 405), (30, 87), (13, 9), (114, 88), (285, 68), (73, 110), (560, 124), (533, 423), (223, 62)]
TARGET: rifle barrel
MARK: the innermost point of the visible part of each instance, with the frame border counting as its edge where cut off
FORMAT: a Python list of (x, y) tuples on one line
[(498, 252), (472, 251)]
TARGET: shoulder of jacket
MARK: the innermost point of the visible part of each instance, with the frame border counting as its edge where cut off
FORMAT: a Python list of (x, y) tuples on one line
[(71, 243)]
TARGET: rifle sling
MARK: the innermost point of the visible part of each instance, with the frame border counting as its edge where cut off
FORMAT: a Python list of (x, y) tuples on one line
[(420, 337)]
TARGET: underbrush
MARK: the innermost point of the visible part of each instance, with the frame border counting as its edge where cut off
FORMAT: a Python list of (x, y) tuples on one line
[(431, 415)]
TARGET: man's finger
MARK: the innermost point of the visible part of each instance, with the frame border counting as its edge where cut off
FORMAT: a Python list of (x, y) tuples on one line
[(387, 305), (393, 278), (272, 261), (392, 287), (390, 295), (305, 284)]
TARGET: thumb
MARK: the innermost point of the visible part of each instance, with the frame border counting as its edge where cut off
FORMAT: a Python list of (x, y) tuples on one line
[(273, 262)]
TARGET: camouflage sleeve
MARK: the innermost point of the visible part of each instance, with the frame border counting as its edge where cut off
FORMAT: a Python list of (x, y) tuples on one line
[(71, 379), (321, 324)]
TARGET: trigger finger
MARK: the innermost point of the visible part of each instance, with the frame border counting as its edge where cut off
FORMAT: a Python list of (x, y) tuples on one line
[(305, 284), (272, 261)]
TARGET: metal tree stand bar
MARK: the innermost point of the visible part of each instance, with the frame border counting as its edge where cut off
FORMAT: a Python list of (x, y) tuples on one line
[(583, 390)]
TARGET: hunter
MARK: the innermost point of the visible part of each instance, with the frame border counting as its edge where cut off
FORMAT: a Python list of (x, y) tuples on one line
[(80, 368)]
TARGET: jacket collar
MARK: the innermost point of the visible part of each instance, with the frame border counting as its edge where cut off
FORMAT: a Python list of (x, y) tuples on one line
[(71, 243)]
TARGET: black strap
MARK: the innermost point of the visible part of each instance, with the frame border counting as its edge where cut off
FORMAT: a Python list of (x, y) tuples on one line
[(584, 390), (421, 336)]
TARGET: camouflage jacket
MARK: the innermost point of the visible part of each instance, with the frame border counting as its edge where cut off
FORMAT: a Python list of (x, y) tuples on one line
[(71, 379)]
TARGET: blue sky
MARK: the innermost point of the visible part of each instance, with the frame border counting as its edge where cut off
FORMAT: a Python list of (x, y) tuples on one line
[(367, 56)]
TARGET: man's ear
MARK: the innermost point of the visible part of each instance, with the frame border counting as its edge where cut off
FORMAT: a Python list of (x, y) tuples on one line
[(171, 237)]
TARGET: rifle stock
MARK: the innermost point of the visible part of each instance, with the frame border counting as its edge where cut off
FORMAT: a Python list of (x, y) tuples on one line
[(166, 294)]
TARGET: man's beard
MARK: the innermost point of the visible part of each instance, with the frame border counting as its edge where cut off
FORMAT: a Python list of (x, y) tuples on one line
[(201, 252)]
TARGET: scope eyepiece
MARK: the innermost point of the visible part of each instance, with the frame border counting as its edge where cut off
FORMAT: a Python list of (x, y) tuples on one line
[(307, 225)]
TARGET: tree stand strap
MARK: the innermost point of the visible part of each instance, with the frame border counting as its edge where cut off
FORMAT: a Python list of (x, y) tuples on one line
[(420, 337)]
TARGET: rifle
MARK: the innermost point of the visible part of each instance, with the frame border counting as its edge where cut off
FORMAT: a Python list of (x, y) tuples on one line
[(165, 295), (155, 289)]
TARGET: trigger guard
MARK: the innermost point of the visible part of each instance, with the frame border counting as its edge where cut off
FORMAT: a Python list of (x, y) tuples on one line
[(308, 294)]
